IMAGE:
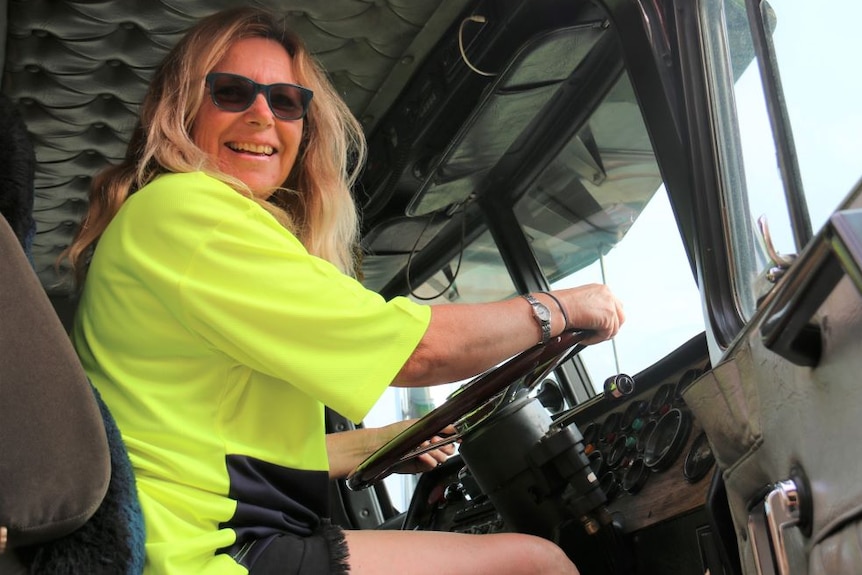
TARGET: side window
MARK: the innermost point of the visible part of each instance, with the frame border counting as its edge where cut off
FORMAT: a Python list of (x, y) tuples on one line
[(476, 276), (814, 53)]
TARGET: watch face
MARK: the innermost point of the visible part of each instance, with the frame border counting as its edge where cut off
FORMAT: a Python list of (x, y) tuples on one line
[(543, 312)]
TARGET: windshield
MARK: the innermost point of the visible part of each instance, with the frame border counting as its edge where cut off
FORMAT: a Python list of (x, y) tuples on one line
[(598, 214)]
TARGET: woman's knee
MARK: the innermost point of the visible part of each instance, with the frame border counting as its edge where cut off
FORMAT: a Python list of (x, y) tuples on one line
[(432, 553), (546, 556)]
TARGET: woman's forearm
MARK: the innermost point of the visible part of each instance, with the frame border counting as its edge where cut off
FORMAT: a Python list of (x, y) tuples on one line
[(348, 449), (463, 340)]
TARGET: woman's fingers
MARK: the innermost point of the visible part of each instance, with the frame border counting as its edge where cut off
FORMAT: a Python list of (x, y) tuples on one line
[(594, 307)]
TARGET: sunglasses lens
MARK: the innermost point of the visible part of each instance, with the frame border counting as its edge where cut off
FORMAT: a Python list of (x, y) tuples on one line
[(236, 93), (232, 93), (286, 101)]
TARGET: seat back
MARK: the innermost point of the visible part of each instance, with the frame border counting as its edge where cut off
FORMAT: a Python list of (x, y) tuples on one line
[(54, 457), (68, 502)]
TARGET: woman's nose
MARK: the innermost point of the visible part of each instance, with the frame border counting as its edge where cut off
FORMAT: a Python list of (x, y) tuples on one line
[(259, 112)]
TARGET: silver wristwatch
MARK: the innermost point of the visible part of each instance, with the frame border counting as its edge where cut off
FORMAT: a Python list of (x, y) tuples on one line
[(542, 315)]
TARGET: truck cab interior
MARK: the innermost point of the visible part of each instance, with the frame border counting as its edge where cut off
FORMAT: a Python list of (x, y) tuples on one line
[(701, 157)]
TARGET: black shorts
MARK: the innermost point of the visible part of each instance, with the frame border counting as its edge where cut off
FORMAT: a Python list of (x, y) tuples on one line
[(323, 553)]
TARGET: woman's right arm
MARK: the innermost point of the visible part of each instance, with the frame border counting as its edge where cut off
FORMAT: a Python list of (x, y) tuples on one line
[(463, 340)]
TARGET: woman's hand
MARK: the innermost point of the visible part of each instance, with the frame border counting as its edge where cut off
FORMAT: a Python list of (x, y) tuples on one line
[(428, 460), (347, 449), (593, 307)]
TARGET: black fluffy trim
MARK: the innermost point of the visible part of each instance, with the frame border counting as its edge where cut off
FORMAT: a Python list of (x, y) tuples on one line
[(17, 173), (339, 554)]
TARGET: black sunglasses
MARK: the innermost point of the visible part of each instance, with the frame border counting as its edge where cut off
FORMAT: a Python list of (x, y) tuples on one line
[(237, 93)]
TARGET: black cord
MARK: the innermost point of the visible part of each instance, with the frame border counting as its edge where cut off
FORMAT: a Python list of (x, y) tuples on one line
[(562, 309), (410, 287)]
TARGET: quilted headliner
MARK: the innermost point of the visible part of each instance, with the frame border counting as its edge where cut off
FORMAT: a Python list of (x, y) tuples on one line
[(79, 68)]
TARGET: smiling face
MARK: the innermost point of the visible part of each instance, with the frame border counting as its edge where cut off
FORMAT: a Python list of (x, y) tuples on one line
[(253, 145)]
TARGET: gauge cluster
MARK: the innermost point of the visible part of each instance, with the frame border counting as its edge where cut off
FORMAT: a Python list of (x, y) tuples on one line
[(643, 451), (647, 450)]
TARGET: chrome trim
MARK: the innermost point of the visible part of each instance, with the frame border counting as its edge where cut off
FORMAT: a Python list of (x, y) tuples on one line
[(767, 523)]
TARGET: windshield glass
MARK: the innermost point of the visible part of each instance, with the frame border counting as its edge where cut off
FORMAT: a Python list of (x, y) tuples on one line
[(478, 275), (600, 214)]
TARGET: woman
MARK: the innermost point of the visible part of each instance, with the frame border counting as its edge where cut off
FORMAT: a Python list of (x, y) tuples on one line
[(220, 314)]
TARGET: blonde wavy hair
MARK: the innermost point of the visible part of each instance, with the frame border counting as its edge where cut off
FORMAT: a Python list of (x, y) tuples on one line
[(314, 203)]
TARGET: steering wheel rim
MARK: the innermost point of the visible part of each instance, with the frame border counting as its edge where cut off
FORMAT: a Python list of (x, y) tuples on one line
[(532, 364)]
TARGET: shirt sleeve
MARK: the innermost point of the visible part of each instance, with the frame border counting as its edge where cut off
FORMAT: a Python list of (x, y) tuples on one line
[(251, 290)]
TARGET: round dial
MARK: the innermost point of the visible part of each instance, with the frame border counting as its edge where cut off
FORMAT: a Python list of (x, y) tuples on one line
[(667, 440), (661, 400), (645, 433), (635, 410), (610, 426), (699, 460), (636, 476), (619, 449), (687, 379)]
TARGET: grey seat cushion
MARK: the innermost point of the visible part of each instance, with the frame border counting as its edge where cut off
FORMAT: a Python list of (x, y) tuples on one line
[(54, 457)]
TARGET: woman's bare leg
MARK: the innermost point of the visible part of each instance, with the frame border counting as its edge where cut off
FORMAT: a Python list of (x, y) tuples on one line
[(437, 553)]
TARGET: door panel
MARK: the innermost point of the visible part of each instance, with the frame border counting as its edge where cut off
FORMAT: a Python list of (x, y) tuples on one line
[(769, 418)]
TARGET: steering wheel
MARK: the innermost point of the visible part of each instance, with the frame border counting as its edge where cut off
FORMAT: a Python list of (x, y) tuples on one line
[(531, 365)]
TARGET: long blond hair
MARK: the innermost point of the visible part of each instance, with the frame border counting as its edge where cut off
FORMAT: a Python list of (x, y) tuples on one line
[(314, 203)]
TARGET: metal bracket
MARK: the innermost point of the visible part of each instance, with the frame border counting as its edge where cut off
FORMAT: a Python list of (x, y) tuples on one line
[(782, 262)]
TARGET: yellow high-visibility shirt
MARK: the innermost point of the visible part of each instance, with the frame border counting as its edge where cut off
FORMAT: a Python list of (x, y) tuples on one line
[(216, 339)]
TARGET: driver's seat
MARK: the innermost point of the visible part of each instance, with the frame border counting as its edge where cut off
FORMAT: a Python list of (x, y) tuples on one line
[(68, 502)]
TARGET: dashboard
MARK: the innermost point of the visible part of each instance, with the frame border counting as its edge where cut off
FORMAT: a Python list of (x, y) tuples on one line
[(644, 448)]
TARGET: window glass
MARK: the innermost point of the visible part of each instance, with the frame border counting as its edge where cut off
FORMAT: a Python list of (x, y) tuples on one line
[(814, 52), (817, 51), (479, 276), (649, 272), (599, 214)]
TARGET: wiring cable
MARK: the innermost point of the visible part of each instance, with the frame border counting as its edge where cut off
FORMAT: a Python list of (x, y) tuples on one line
[(454, 275), (481, 20)]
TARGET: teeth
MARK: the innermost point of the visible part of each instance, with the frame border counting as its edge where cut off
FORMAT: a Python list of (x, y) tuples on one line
[(253, 148)]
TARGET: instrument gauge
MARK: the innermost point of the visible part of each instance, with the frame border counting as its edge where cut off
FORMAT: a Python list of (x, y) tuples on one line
[(667, 439), (661, 400), (635, 476), (618, 452), (591, 437), (597, 463), (687, 379), (644, 434), (634, 412), (609, 484), (609, 428), (699, 459)]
